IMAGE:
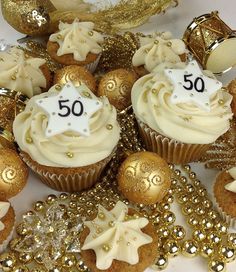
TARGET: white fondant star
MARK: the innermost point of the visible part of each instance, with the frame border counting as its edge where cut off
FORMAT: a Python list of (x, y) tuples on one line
[(69, 111), (191, 85)]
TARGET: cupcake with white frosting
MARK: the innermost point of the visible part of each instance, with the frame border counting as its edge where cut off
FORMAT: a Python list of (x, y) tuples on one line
[(7, 221), (118, 240), (159, 51), (176, 122), (23, 73), (76, 44), (225, 195), (67, 136)]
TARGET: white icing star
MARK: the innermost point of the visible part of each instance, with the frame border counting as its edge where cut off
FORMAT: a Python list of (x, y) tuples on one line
[(69, 111), (112, 237), (191, 85)]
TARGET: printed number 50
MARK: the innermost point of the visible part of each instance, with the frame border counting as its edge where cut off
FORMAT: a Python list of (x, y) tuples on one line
[(198, 84), (68, 111)]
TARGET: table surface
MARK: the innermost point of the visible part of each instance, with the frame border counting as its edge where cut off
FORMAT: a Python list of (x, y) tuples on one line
[(176, 21)]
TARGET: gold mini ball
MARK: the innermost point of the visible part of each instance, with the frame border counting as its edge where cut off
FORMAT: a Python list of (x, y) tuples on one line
[(171, 248), (78, 75), (161, 263), (68, 260), (7, 261), (190, 248), (216, 266), (13, 173), (117, 85), (144, 178)]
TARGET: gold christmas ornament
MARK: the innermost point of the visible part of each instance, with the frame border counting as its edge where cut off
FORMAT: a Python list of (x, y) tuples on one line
[(77, 75), (30, 17), (144, 177), (117, 85), (13, 173), (216, 266), (161, 263), (207, 36)]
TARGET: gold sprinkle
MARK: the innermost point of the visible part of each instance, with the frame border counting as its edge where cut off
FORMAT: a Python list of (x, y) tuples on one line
[(29, 140), (101, 215), (86, 94), (70, 155), (111, 224), (59, 36), (90, 33), (169, 44), (221, 102), (106, 247), (109, 127), (13, 77), (156, 42), (58, 87)]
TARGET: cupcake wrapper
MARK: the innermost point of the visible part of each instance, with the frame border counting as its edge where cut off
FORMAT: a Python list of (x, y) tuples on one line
[(4, 245), (228, 219), (76, 180), (93, 65), (170, 149)]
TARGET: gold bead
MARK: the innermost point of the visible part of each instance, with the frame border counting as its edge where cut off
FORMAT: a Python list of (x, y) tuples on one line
[(106, 248), (55, 269), (207, 250), (58, 87), (227, 253), (25, 257), (192, 175), (111, 224), (214, 238), (199, 235), (39, 206), (68, 260), (232, 239), (177, 172), (207, 223), (221, 227), (165, 206), (189, 188), (161, 263), (213, 215), (200, 210), (21, 268), (51, 199), (169, 218), (187, 168), (171, 166), (183, 180), (7, 261), (29, 140), (216, 266), (187, 209), (73, 204), (178, 232), (101, 215), (37, 269), (70, 155), (182, 198), (221, 101), (190, 248), (90, 33), (63, 196), (164, 232), (109, 127), (171, 248), (38, 257), (82, 267), (193, 221), (207, 203), (22, 229)]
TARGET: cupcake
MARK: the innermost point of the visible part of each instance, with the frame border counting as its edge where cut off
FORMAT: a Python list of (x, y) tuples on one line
[(7, 221), (225, 195), (118, 240), (177, 123), (157, 52), (67, 137), (76, 44), (23, 73)]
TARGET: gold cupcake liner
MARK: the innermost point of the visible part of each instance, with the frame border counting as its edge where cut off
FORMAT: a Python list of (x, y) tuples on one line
[(67, 179), (228, 219), (171, 150), (93, 65)]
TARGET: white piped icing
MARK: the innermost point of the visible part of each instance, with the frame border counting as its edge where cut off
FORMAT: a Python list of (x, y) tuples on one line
[(78, 39), (232, 185), (185, 122), (116, 236), (21, 73), (159, 52), (30, 127), (4, 207)]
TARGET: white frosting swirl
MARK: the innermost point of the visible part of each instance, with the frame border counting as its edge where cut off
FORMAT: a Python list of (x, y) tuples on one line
[(232, 185), (159, 52), (115, 236), (184, 122), (78, 39), (4, 207), (29, 131), (21, 73)]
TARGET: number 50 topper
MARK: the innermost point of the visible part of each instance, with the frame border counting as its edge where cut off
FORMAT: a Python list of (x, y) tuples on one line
[(191, 85), (69, 111)]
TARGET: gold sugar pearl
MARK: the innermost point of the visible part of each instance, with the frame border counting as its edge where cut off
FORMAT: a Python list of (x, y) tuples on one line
[(232, 239), (111, 224), (70, 155), (106, 248), (171, 248), (101, 215), (169, 44), (58, 87), (59, 36), (29, 140), (220, 101), (51, 199), (25, 257), (13, 77), (178, 232), (187, 168), (221, 227), (39, 206), (199, 235), (109, 127), (169, 218), (207, 250), (216, 266), (86, 94), (190, 248), (214, 238), (91, 33), (161, 262), (156, 42), (227, 253)]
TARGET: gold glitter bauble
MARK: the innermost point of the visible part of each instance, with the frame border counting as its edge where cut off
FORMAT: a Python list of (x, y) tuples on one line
[(117, 85), (190, 248), (7, 261), (30, 17), (216, 266), (161, 263), (77, 75), (13, 173), (144, 177)]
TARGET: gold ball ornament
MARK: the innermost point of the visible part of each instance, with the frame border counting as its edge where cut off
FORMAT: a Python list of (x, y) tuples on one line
[(30, 17), (190, 248), (216, 266), (13, 173), (117, 85), (144, 178), (161, 263), (7, 261), (78, 75)]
